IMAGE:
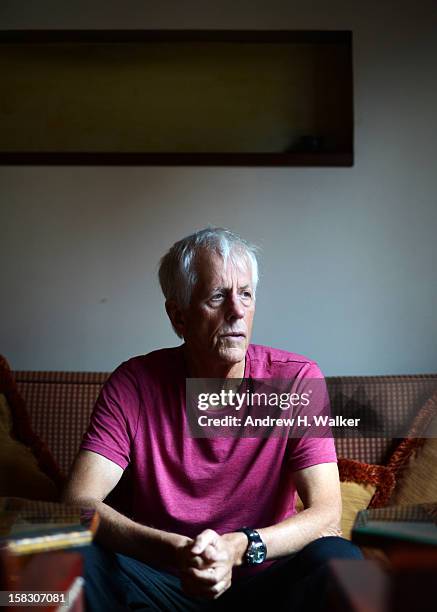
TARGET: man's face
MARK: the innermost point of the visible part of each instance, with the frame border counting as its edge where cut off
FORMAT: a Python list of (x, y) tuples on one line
[(218, 322)]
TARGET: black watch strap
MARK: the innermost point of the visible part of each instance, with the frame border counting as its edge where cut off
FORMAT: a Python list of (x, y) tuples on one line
[(256, 551)]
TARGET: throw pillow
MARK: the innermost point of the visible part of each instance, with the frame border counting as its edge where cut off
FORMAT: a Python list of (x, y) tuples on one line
[(354, 496), (415, 460), (362, 485), (27, 467), (20, 475), (379, 476)]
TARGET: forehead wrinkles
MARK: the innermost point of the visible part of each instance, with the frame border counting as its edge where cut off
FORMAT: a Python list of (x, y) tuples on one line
[(212, 269)]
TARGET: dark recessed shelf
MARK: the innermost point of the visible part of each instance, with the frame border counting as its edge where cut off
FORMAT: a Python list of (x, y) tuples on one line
[(134, 97)]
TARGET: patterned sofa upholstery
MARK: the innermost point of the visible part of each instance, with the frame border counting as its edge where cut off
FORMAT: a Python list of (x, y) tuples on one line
[(60, 403)]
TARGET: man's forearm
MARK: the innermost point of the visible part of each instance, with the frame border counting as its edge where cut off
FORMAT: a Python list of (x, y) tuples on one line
[(287, 537), (292, 534), (120, 534)]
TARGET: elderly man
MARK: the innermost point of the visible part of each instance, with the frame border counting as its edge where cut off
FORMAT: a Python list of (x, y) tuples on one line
[(213, 522)]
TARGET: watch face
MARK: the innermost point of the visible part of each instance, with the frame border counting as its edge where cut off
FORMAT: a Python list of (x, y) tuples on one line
[(256, 553)]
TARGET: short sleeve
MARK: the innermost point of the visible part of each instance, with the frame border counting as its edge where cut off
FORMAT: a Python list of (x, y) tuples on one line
[(114, 419), (306, 452), (313, 449)]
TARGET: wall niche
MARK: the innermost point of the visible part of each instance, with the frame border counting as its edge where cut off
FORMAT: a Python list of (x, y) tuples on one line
[(135, 97)]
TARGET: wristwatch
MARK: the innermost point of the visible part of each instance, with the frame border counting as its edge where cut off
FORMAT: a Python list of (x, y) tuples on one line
[(256, 551)]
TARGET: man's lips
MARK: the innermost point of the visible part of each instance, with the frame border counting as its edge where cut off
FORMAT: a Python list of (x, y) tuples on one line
[(233, 335)]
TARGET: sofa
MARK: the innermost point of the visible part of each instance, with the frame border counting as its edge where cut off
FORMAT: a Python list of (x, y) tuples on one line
[(59, 404)]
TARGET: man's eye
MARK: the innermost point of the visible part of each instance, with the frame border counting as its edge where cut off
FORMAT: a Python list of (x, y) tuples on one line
[(216, 297), (247, 294)]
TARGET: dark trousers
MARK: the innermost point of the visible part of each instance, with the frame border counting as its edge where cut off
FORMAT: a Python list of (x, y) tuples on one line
[(299, 582)]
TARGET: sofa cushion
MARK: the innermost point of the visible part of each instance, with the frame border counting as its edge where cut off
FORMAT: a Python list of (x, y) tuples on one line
[(27, 468), (415, 460)]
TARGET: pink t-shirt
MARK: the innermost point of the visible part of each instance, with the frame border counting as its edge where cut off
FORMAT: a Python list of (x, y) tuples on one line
[(184, 484)]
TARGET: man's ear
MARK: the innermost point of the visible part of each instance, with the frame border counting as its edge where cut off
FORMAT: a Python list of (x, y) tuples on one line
[(176, 316)]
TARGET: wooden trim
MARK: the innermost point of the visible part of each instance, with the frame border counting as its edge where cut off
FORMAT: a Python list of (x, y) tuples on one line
[(175, 159), (129, 36)]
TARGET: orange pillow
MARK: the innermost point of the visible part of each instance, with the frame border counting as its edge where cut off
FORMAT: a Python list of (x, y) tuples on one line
[(381, 477)]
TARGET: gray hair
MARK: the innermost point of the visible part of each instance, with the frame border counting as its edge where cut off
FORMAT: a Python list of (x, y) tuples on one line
[(177, 274)]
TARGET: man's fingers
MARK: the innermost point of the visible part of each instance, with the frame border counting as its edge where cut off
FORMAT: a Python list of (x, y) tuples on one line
[(210, 555), (214, 553), (211, 590), (209, 536), (208, 572), (220, 588), (201, 562), (210, 576), (197, 562)]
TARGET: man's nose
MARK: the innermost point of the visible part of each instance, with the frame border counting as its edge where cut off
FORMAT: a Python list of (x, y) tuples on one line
[(235, 308)]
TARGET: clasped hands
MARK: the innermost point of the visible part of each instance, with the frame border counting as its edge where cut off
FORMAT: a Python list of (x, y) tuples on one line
[(206, 563)]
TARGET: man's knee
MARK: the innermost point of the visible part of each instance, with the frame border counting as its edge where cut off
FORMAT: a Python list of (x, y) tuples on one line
[(321, 551), (95, 556)]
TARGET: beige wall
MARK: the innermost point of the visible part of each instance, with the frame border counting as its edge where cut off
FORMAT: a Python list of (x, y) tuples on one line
[(349, 255)]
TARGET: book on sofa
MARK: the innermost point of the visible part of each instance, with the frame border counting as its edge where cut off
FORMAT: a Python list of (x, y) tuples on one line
[(414, 524), (28, 526)]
